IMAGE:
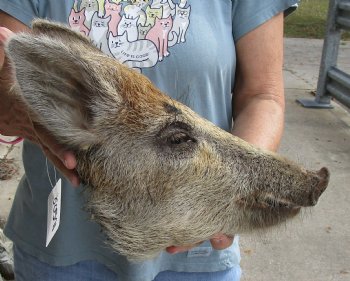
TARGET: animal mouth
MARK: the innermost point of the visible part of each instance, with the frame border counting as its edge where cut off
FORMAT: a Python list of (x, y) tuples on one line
[(271, 204), (265, 210)]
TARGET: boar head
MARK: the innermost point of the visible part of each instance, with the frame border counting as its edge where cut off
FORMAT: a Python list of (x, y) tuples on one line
[(157, 173)]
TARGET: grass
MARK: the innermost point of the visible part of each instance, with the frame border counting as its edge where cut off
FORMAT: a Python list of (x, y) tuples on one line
[(309, 20)]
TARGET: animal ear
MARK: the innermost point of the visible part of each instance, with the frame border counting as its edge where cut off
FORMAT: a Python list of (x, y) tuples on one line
[(60, 82)]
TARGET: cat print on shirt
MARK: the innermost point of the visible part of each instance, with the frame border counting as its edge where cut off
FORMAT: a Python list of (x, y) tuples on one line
[(143, 30), (182, 3), (158, 34), (76, 21), (180, 25), (76, 6), (138, 54), (139, 33), (91, 6), (167, 6), (152, 14), (113, 10), (136, 9), (129, 25), (99, 31)]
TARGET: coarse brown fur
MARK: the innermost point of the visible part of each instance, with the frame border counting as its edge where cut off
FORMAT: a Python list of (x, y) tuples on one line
[(157, 173)]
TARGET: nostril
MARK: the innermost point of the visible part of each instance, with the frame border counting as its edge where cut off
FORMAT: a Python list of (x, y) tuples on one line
[(323, 179), (323, 174)]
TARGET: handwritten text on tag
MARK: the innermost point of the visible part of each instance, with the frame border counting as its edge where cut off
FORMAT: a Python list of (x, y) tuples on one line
[(53, 212)]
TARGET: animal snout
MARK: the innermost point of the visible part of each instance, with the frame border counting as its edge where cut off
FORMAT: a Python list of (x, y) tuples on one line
[(322, 177)]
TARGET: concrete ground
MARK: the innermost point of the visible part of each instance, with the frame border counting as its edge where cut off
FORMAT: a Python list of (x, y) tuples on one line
[(316, 246)]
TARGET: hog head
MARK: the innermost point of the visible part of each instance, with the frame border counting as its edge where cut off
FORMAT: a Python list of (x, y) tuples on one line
[(157, 173)]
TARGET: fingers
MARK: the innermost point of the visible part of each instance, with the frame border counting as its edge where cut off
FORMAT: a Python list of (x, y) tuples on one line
[(64, 160), (220, 242), (180, 249), (4, 35), (66, 157), (70, 174)]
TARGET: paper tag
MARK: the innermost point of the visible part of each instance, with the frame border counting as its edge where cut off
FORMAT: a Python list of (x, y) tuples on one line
[(199, 252), (53, 212)]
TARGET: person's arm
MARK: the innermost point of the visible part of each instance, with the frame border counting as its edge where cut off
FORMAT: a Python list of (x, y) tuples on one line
[(258, 98), (14, 118)]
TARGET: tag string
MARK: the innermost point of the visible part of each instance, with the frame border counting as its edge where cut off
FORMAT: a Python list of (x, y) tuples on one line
[(48, 174)]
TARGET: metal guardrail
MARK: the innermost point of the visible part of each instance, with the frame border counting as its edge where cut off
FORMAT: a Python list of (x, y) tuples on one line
[(343, 18), (332, 82)]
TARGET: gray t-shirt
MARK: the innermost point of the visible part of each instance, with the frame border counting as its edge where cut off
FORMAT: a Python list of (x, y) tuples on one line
[(194, 62)]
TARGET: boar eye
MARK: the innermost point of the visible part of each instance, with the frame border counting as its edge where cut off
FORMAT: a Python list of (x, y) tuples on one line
[(176, 137), (179, 138)]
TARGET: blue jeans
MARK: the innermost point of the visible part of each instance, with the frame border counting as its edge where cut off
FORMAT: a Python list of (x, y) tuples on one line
[(28, 268)]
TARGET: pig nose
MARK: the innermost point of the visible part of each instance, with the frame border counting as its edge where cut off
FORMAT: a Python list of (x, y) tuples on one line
[(323, 179)]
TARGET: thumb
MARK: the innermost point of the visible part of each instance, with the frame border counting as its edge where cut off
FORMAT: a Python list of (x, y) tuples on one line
[(4, 36), (5, 33), (220, 242)]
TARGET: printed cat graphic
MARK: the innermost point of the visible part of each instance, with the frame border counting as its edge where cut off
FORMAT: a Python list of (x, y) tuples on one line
[(76, 21), (180, 26), (136, 9), (182, 3), (113, 10), (143, 30), (139, 33), (167, 5), (158, 34), (138, 54), (152, 14), (91, 6), (129, 25), (99, 31)]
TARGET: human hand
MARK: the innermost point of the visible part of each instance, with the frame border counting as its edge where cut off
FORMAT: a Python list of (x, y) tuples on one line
[(218, 242), (15, 120)]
